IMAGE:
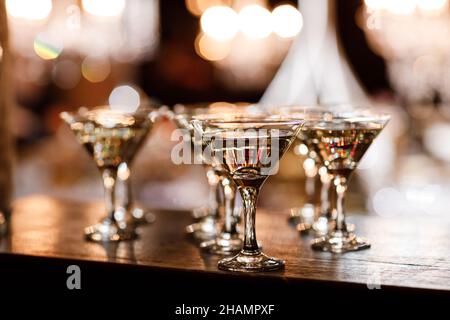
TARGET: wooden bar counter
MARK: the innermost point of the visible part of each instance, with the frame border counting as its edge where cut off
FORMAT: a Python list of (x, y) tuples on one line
[(410, 256)]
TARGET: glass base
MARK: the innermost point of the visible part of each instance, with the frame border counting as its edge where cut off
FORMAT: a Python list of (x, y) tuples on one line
[(201, 212), (107, 231), (205, 229), (140, 216), (323, 224), (340, 242), (303, 216), (303, 227), (250, 262), (224, 244), (320, 226)]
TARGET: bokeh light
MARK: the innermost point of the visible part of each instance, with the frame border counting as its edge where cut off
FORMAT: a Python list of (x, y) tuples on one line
[(95, 69), (434, 142), (388, 202), (123, 171), (192, 6), (287, 21), (46, 48), (66, 74), (124, 98), (210, 49), (401, 7), (255, 21), (301, 149), (431, 5), (220, 107), (220, 22), (309, 164), (197, 7), (29, 9), (104, 8), (376, 4)]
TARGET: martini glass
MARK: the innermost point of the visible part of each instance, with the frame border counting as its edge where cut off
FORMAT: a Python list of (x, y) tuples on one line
[(219, 184), (126, 204), (228, 240), (205, 228), (342, 138), (316, 213), (110, 137), (249, 149), (303, 217), (320, 226)]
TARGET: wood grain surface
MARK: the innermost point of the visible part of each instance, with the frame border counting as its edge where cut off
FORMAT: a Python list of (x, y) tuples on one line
[(407, 252)]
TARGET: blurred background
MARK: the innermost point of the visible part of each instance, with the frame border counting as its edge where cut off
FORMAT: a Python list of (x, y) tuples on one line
[(70, 53)]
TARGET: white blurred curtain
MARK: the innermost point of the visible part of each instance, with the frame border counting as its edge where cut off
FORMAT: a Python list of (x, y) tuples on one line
[(315, 70)]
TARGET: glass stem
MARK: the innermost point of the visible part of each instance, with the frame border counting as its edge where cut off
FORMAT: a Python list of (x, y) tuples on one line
[(310, 182), (229, 194), (127, 196), (249, 197), (341, 187), (214, 191), (325, 179), (310, 188), (109, 177)]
